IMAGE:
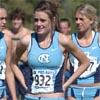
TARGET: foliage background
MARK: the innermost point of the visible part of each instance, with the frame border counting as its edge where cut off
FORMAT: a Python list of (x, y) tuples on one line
[(65, 9)]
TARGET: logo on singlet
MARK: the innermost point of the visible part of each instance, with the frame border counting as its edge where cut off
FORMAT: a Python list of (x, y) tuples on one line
[(1, 47), (43, 58), (94, 48), (54, 49)]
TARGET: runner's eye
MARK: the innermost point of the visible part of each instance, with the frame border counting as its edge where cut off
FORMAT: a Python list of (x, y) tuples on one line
[(76, 19), (2, 18), (41, 20), (36, 20)]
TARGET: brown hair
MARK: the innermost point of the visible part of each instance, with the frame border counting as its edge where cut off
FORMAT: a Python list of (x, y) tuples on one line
[(2, 6), (51, 9), (17, 13)]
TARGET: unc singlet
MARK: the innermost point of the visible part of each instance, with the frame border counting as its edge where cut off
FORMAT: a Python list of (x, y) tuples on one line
[(46, 64), (3, 51), (92, 74)]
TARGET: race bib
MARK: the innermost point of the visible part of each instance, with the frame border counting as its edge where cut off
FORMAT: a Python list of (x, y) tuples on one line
[(91, 69), (2, 70), (43, 81)]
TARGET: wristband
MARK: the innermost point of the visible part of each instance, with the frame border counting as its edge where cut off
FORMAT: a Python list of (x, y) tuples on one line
[(15, 38)]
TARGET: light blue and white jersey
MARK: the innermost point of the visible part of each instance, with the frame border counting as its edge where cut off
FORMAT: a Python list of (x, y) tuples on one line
[(3, 51), (47, 66), (92, 74)]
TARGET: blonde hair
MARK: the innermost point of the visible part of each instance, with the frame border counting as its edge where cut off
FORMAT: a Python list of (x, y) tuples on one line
[(90, 12)]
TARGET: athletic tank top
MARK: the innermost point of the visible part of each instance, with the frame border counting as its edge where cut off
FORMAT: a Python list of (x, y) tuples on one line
[(92, 74), (3, 51), (46, 64)]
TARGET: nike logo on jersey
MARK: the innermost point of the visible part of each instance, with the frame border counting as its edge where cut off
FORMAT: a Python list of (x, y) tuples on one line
[(94, 48), (54, 49), (1, 47)]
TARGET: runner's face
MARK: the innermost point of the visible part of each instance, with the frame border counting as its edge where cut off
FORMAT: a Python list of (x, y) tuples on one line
[(64, 27), (82, 22), (3, 18), (42, 22), (17, 23)]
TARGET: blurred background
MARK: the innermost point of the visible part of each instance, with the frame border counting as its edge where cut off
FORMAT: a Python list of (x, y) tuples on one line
[(65, 9)]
